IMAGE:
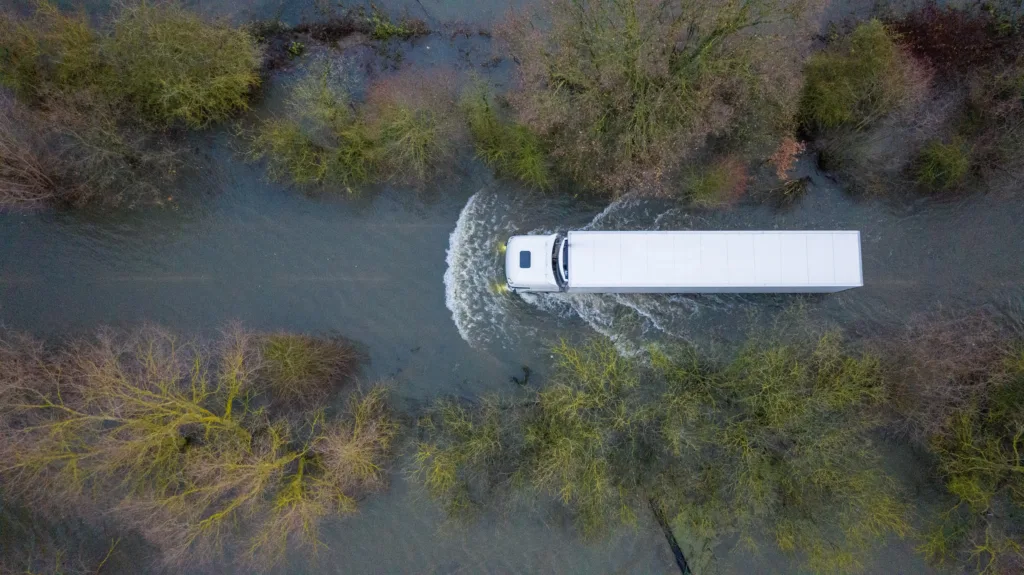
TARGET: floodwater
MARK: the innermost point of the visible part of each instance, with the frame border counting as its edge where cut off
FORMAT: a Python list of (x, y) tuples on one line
[(410, 274)]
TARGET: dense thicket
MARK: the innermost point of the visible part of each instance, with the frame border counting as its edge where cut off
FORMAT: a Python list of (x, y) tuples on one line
[(623, 92), (188, 442), (928, 100), (91, 103), (774, 445)]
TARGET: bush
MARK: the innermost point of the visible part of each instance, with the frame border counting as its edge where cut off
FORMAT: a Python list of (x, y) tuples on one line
[(49, 50), (90, 99), (303, 370), (177, 68), (979, 457), (720, 184), (942, 166), (623, 91), (413, 116), (858, 80), (510, 149), (382, 28), (958, 383), (406, 131), (170, 435), (775, 443), (75, 151)]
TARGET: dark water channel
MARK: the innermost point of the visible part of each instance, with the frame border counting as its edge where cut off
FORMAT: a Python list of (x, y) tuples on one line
[(410, 275)]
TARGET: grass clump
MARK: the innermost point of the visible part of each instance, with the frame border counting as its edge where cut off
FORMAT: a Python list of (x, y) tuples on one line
[(720, 184), (171, 435), (774, 443), (174, 67), (510, 149), (303, 369), (405, 132), (622, 92), (943, 166), (857, 80), (383, 28)]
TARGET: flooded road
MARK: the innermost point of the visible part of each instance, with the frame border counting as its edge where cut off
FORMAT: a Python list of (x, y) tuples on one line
[(411, 275)]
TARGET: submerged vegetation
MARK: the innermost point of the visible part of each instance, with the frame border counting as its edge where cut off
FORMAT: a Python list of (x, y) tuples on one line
[(858, 79), (719, 184), (775, 443), (510, 149), (929, 99), (624, 92), (960, 388), (182, 440), (405, 131), (91, 102)]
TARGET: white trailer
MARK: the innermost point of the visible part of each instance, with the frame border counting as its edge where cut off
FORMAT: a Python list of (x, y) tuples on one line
[(685, 262)]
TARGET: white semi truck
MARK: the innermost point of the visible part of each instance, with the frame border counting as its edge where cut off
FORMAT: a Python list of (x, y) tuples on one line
[(685, 262)]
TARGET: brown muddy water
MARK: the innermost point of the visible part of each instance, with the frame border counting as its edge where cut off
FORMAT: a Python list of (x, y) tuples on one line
[(410, 275)]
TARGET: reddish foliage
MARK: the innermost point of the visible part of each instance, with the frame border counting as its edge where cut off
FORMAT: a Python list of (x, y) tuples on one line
[(785, 156), (955, 41)]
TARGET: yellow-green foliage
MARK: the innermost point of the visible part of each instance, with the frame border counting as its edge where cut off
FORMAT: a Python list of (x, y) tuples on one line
[(90, 98), (981, 457), (175, 67), (942, 166), (398, 135), (168, 433), (856, 81), (462, 448), (575, 441), (303, 370), (717, 185), (788, 452), (586, 433), (48, 51), (774, 443), (383, 28), (511, 149), (160, 61)]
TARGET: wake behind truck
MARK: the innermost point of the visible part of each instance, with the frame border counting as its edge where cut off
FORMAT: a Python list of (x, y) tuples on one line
[(685, 262)]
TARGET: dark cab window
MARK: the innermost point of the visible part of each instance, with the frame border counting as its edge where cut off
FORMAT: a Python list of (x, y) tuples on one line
[(524, 259)]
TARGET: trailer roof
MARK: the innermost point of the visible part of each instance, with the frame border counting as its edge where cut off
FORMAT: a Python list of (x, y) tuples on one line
[(712, 259)]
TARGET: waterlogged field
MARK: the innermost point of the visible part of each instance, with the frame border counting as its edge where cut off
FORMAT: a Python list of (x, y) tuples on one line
[(410, 272)]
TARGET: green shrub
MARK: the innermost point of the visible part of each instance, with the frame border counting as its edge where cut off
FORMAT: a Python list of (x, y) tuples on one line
[(857, 80), (717, 185), (511, 149), (382, 28), (411, 140), (173, 438), (404, 132), (303, 370), (175, 67), (622, 92), (291, 154), (47, 52), (774, 444), (980, 452), (942, 166), (91, 99)]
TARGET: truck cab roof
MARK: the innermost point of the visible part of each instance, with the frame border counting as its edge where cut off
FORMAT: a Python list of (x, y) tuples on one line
[(528, 263)]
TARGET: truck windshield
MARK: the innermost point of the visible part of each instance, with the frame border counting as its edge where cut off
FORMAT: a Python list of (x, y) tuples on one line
[(560, 261)]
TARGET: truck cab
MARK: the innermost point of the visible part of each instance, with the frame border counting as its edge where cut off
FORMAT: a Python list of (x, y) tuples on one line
[(537, 263)]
